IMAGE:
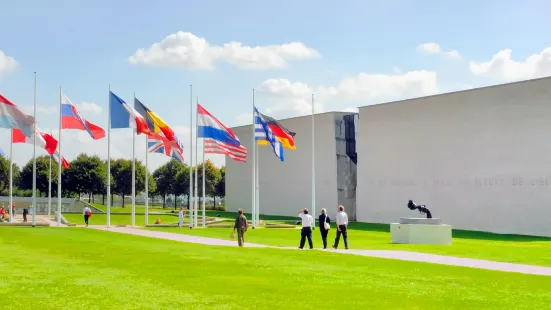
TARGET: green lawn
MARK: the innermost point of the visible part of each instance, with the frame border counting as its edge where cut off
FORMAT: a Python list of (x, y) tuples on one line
[(116, 219), (78, 268), (506, 248)]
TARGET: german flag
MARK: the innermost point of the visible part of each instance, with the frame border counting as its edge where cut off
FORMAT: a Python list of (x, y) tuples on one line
[(285, 137), (155, 123)]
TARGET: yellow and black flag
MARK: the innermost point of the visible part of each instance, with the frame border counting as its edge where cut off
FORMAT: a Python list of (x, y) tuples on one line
[(156, 124)]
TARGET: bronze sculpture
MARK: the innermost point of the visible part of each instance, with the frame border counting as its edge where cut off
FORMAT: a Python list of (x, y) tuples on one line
[(422, 208)]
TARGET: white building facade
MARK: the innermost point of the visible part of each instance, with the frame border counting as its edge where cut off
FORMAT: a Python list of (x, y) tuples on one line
[(478, 159), (286, 187)]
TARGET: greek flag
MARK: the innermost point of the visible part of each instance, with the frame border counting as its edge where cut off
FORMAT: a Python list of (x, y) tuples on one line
[(262, 131)]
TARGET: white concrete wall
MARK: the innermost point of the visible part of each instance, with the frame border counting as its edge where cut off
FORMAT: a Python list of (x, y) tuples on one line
[(285, 187), (479, 159)]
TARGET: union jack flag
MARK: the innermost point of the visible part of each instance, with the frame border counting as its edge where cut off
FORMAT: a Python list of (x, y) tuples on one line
[(158, 144)]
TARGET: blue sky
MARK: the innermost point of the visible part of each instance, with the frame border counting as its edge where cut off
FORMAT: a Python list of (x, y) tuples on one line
[(352, 53)]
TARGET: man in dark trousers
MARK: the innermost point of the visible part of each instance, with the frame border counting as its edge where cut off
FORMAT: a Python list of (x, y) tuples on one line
[(342, 223), (306, 232), (241, 227), (324, 221)]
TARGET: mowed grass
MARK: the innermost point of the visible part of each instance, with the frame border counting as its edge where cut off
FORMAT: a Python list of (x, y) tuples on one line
[(505, 248), (116, 219), (78, 268)]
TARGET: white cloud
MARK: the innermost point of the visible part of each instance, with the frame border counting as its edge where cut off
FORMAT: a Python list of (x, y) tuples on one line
[(88, 108), (288, 99), (29, 109), (504, 67), (350, 110), (186, 50), (463, 86), (244, 119), (7, 63), (434, 48)]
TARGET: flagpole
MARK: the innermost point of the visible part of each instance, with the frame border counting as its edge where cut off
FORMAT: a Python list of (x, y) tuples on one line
[(257, 185), (313, 163), (58, 213), (146, 185), (253, 164), (190, 194), (34, 155), (50, 188), (204, 221), (196, 204), (134, 175), (109, 160), (11, 176)]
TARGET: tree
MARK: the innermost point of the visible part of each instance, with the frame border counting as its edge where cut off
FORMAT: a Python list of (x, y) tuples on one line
[(87, 175), (151, 186), (182, 183), (99, 177), (42, 175), (220, 190), (212, 176), (4, 174), (121, 169), (5, 177), (168, 182)]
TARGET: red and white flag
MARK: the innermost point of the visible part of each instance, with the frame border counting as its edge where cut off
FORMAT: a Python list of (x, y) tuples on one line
[(44, 140)]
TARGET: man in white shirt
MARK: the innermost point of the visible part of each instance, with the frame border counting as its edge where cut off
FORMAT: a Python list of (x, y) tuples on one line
[(87, 212), (342, 223), (306, 232)]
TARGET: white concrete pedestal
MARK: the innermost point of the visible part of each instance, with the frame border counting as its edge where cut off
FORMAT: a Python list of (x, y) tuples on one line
[(420, 231)]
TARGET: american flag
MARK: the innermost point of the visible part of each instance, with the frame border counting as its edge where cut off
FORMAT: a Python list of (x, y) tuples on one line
[(158, 144)]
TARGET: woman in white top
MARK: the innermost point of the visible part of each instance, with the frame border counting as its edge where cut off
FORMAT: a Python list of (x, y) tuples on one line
[(181, 217), (87, 212)]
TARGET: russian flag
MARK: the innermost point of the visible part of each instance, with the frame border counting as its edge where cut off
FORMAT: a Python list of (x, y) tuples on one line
[(11, 117), (70, 119), (218, 139), (125, 116)]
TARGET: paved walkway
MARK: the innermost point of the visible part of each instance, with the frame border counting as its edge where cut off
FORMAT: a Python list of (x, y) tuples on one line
[(52, 222), (388, 254)]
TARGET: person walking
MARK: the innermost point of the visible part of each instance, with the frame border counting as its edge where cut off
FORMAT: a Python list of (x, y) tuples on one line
[(241, 227), (324, 225), (342, 224), (25, 212), (181, 217), (306, 231), (87, 213)]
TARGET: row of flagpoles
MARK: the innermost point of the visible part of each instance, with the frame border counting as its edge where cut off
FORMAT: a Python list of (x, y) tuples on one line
[(160, 138)]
